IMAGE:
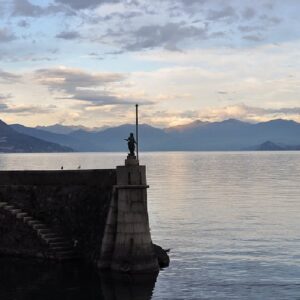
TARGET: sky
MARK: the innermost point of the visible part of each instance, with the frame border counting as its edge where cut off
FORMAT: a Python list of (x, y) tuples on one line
[(87, 62)]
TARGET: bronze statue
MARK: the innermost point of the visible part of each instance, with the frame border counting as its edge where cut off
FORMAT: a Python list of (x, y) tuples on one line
[(131, 144)]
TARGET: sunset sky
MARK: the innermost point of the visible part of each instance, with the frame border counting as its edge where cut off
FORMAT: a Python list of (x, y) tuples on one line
[(87, 62)]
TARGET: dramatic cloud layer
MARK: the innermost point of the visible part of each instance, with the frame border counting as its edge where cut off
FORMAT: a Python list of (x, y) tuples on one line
[(97, 89), (88, 62)]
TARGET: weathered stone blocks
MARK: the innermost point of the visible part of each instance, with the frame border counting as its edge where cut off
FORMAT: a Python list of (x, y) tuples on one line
[(128, 245)]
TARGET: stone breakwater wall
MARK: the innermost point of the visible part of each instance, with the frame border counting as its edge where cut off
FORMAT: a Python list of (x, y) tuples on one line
[(73, 204), (99, 216)]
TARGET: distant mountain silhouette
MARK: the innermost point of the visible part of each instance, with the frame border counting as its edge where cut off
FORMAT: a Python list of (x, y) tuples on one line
[(270, 146), (197, 136), (13, 141), (61, 139), (63, 129), (112, 139)]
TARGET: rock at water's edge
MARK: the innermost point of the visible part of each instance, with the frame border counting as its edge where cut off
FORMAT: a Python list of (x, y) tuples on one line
[(162, 256)]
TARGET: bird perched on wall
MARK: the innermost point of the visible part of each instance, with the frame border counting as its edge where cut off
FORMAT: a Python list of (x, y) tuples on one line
[(62, 167)]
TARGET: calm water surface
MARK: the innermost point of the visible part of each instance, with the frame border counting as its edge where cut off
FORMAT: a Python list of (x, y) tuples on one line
[(232, 221)]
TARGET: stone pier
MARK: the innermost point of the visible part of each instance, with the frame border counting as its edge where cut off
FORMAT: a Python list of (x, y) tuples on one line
[(99, 216)]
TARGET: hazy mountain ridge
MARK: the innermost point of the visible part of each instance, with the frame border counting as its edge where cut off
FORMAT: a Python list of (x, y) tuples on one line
[(61, 139), (182, 128), (65, 129), (270, 146), (14, 141), (225, 135)]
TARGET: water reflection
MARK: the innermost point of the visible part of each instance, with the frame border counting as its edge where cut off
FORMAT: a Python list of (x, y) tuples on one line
[(126, 287), (36, 280), (231, 220)]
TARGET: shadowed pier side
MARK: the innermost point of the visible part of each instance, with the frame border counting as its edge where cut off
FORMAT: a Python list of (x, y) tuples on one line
[(101, 212)]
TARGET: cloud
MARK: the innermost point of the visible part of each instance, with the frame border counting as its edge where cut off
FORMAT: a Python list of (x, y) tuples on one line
[(26, 9), (94, 88), (25, 110), (6, 35), (80, 4), (68, 35), (98, 56), (247, 28), (101, 98), (167, 36), (71, 79), (226, 12), (283, 110), (253, 37), (198, 24), (249, 13), (163, 118), (126, 15), (270, 20), (230, 51), (2, 106), (179, 7), (8, 77), (5, 97), (9, 108), (248, 113), (23, 23), (192, 2)]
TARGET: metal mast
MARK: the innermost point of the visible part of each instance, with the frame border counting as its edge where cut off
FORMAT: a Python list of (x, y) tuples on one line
[(137, 130)]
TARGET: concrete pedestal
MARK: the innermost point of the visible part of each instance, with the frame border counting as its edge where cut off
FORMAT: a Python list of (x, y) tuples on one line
[(127, 244), (131, 160)]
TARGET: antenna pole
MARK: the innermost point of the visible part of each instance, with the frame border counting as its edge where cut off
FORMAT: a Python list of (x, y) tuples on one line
[(137, 130)]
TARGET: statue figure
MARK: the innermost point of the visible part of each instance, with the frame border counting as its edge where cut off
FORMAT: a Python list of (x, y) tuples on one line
[(131, 144)]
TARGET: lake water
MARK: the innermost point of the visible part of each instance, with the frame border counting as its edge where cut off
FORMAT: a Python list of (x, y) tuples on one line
[(232, 221)]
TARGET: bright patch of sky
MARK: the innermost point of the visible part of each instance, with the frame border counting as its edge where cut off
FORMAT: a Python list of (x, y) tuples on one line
[(88, 62)]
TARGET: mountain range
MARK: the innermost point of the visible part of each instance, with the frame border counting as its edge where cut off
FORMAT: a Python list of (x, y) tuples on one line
[(62, 129), (226, 135), (14, 141)]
